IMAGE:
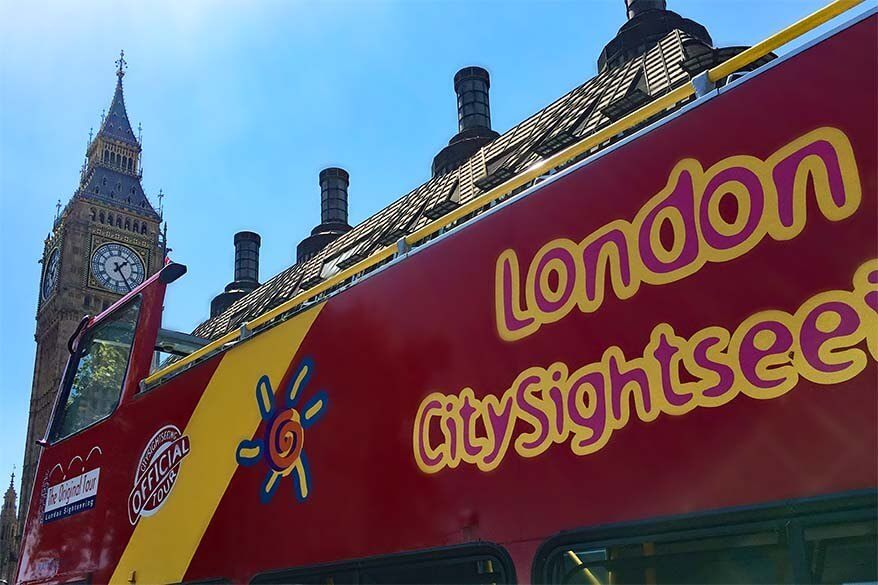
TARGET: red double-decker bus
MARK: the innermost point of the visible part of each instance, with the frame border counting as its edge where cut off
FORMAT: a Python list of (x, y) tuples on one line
[(666, 376)]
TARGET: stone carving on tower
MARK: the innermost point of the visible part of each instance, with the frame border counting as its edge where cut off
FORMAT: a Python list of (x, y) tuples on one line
[(104, 242)]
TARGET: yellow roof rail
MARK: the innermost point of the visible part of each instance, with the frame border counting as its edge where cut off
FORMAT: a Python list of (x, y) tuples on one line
[(667, 101)]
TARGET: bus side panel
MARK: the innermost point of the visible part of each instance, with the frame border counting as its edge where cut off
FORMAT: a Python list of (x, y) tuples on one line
[(404, 414), (429, 325)]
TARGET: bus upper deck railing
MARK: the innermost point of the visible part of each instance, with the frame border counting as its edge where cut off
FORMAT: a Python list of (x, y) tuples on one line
[(669, 100)]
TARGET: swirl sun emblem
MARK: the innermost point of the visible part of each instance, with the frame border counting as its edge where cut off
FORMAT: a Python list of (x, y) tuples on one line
[(282, 445)]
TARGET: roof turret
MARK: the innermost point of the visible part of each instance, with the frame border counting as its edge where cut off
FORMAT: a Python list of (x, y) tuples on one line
[(9, 499), (116, 124)]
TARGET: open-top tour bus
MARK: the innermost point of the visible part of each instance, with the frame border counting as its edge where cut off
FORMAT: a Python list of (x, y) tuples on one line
[(666, 376)]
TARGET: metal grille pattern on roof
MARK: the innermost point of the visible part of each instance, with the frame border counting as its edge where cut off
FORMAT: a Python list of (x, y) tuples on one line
[(579, 113)]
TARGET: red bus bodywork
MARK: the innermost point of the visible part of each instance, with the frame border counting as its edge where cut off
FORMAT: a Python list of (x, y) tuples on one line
[(494, 328)]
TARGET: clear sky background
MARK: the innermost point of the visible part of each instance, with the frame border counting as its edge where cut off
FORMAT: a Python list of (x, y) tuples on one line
[(243, 103)]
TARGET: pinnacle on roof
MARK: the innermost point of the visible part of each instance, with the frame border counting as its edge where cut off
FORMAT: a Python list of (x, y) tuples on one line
[(10, 492), (115, 124)]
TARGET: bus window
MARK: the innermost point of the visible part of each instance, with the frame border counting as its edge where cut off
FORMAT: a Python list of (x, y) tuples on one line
[(757, 557), (842, 553), (101, 361), (448, 571), (826, 540), (469, 564)]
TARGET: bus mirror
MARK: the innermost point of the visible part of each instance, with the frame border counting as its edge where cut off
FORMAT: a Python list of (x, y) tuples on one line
[(82, 323), (172, 272)]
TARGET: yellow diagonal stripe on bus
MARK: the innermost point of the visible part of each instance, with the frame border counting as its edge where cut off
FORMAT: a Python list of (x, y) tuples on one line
[(162, 546)]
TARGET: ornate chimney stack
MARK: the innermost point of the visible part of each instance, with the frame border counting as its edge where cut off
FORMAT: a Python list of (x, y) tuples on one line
[(471, 84), (334, 184), (247, 258), (648, 22), (246, 272), (636, 7)]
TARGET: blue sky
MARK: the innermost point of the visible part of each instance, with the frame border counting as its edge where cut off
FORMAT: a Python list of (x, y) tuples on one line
[(243, 103)]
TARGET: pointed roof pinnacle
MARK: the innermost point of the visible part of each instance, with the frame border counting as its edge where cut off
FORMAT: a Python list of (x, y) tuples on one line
[(121, 65), (115, 123)]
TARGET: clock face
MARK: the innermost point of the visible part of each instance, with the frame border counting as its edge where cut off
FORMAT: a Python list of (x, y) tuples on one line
[(50, 276), (117, 267)]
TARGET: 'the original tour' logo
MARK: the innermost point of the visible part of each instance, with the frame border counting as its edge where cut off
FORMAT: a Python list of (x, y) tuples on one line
[(157, 472), (72, 490)]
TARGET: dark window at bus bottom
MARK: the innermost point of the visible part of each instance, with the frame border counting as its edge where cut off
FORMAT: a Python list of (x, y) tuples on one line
[(469, 569), (835, 553), (842, 553)]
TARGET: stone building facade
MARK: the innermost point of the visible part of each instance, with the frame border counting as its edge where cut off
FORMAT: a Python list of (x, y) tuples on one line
[(9, 534), (106, 240)]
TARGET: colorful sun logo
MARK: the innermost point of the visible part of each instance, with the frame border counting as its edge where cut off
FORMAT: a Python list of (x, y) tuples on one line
[(282, 444)]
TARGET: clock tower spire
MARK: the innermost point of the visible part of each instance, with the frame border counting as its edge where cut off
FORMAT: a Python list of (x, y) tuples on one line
[(105, 241)]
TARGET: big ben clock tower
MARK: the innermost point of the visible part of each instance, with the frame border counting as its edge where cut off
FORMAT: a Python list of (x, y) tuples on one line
[(106, 241)]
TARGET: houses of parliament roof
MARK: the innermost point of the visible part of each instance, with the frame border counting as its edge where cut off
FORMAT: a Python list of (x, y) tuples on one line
[(664, 52)]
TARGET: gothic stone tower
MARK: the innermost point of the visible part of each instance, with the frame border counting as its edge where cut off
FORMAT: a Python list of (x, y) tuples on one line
[(8, 533), (105, 241)]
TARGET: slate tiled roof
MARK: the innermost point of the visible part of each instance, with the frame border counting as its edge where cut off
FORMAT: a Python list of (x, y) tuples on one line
[(579, 113), (116, 124), (108, 182), (116, 188)]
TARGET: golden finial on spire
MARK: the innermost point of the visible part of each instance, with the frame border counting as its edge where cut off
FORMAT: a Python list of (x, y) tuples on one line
[(121, 64)]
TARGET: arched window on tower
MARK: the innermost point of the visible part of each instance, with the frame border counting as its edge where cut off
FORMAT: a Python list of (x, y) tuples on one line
[(94, 214), (106, 156), (136, 226), (143, 228), (127, 223), (110, 218), (124, 161), (130, 165), (102, 217), (118, 221)]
